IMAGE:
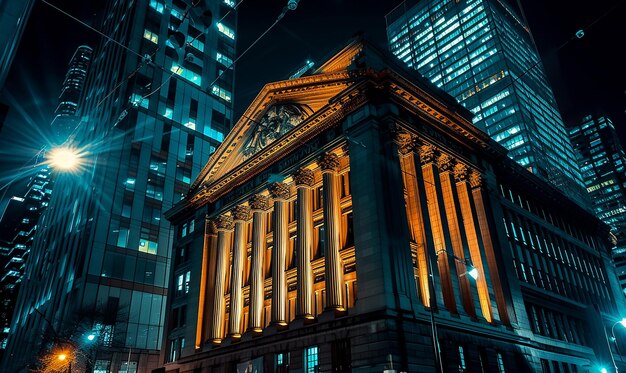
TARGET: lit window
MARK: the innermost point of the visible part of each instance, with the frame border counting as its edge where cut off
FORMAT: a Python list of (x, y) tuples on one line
[(311, 362), (194, 42), (230, 3), (152, 36), (157, 5), (187, 74), (214, 134), (102, 366), (146, 246), (154, 191), (191, 124), (187, 280), (130, 183), (223, 59), (168, 113), (221, 93), (138, 100), (462, 366), (226, 30), (500, 363)]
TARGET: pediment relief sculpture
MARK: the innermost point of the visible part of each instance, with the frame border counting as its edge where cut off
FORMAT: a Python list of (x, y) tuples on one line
[(275, 123)]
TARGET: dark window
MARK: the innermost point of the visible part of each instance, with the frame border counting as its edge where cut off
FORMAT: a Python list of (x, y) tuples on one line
[(341, 356)]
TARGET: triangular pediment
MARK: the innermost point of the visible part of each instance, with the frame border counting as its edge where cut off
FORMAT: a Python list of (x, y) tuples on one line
[(280, 108)]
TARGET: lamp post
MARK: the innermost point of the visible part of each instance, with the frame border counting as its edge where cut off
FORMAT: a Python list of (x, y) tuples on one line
[(471, 271), (613, 339)]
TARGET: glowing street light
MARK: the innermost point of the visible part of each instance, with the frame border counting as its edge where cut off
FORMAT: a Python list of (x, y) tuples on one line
[(62, 357), (64, 159), (472, 271), (91, 337)]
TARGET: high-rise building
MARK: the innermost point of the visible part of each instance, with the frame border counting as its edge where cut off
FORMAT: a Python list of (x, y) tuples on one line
[(18, 227), (65, 119), (355, 219), (482, 53), (150, 117), (602, 162)]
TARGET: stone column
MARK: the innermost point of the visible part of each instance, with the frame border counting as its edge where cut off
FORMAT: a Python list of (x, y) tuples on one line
[(304, 180), (224, 226), (280, 193), (437, 215), (474, 240), (258, 205), (240, 215), (329, 163), (458, 240)]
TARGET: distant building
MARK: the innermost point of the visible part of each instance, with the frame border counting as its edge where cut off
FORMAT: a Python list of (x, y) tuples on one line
[(603, 164), (65, 119), (482, 53), (18, 226), (150, 118), (308, 241)]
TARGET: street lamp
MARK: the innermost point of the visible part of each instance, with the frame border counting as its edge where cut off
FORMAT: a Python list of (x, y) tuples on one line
[(470, 269), (66, 159)]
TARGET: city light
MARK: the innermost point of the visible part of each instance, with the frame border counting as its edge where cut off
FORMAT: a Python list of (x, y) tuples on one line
[(472, 271), (62, 357), (65, 159), (91, 337), (623, 322)]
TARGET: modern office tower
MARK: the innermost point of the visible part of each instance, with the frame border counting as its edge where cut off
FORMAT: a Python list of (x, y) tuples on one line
[(13, 18), (602, 162), (482, 53), (355, 219), (19, 224), (151, 115), (65, 119)]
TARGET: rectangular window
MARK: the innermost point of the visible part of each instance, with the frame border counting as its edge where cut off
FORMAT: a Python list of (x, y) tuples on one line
[(157, 5), (221, 93), (102, 366), (281, 362), (311, 362), (187, 281), (146, 246), (126, 367), (226, 30), (187, 74), (137, 100), (155, 191), (152, 36), (341, 356), (462, 366)]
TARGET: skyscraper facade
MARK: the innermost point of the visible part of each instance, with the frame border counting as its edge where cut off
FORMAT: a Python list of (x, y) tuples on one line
[(65, 118), (151, 114), (482, 53), (603, 165), (19, 224)]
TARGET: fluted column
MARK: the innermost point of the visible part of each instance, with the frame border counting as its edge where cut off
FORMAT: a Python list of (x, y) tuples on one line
[(280, 193), (461, 175), (258, 205), (329, 163), (224, 226), (436, 213), (240, 215), (304, 180)]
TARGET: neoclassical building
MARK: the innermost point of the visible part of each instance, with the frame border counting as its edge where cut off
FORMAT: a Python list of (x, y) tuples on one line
[(355, 220)]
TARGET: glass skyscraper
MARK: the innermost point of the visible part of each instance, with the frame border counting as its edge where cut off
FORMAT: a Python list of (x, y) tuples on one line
[(482, 53), (65, 118), (603, 165), (150, 117)]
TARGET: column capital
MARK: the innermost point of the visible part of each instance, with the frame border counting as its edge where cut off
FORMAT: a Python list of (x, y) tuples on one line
[(461, 172), (404, 140), (329, 162), (476, 179), (280, 191), (304, 178), (240, 213), (259, 203), (445, 162), (428, 153), (210, 227), (224, 223)]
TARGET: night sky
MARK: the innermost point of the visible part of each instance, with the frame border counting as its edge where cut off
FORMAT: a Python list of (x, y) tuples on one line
[(587, 75)]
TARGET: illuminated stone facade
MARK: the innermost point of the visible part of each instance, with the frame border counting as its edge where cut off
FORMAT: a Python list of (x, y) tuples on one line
[(314, 252)]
